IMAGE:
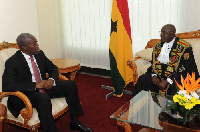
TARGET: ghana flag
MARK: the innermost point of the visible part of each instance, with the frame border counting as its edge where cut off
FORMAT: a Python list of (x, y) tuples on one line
[(120, 48)]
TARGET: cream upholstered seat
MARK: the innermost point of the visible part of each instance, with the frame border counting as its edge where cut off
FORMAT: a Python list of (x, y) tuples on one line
[(140, 63), (29, 116)]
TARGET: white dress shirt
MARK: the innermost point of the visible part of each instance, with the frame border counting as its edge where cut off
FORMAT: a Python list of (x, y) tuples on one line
[(164, 54), (28, 60)]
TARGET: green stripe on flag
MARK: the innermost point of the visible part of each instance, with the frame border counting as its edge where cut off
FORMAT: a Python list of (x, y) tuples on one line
[(117, 80)]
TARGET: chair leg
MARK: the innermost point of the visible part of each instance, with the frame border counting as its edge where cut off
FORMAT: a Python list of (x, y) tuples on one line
[(34, 129), (3, 114), (1, 125)]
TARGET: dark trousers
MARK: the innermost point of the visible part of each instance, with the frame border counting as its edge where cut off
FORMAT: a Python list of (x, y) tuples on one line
[(145, 83), (42, 103)]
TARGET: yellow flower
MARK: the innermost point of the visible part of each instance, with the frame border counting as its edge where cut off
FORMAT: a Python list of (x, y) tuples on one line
[(175, 98), (184, 99), (181, 103), (197, 102), (188, 106), (193, 100)]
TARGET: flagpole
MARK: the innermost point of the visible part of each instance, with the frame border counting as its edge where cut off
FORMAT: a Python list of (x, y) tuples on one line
[(113, 91)]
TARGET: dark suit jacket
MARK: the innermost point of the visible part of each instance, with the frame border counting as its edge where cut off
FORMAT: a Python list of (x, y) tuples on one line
[(17, 77)]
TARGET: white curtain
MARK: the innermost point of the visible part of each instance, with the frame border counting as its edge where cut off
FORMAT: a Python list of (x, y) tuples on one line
[(85, 25)]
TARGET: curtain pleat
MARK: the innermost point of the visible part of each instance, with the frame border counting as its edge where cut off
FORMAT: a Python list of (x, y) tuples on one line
[(86, 25)]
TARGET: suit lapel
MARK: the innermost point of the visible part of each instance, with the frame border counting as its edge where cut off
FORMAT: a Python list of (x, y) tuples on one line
[(23, 62), (39, 61)]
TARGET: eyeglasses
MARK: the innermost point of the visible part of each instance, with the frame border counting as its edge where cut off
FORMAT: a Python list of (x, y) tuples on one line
[(165, 33)]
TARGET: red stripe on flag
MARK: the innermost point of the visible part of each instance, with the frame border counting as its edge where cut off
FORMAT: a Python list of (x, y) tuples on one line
[(124, 10)]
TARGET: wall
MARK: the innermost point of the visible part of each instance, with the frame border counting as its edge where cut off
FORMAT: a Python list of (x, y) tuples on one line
[(42, 19), (17, 16), (38, 17), (189, 19), (49, 28)]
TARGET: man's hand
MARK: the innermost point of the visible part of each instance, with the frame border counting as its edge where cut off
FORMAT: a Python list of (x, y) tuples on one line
[(163, 85), (155, 80), (49, 84), (41, 84), (45, 84)]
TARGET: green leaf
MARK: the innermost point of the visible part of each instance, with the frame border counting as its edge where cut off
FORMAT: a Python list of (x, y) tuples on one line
[(186, 117), (198, 115)]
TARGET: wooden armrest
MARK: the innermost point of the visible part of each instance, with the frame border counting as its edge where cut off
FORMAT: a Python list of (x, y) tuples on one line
[(26, 112), (61, 77), (136, 58), (131, 62)]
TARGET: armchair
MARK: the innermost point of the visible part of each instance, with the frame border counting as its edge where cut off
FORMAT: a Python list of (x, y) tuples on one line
[(28, 117), (141, 62)]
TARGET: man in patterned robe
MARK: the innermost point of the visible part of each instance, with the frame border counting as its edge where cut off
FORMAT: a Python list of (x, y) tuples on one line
[(171, 58)]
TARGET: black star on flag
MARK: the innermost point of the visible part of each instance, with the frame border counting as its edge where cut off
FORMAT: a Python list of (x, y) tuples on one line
[(113, 26)]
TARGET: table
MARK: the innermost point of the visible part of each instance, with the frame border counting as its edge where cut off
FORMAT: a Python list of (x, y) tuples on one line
[(67, 66), (149, 110), (3, 114)]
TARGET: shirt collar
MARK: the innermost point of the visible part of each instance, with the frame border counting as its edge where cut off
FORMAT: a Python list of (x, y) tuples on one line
[(27, 57)]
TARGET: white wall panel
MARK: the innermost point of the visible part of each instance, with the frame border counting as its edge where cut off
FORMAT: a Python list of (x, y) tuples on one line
[(50, 28), (17, 16)]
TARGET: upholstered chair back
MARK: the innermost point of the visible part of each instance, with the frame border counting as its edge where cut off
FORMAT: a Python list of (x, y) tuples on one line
[(196, 50), (5, 53)]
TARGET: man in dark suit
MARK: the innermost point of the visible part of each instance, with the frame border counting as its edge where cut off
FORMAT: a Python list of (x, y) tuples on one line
[(20, 75), (171, 58)]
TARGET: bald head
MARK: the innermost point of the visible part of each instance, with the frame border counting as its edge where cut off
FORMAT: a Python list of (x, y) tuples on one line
[(167, 33), (170, 27)]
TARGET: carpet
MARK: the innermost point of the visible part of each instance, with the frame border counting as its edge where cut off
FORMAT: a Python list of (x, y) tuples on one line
[(97, 109)]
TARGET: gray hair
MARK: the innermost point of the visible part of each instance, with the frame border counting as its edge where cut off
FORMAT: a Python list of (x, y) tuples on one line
[(23, 39)]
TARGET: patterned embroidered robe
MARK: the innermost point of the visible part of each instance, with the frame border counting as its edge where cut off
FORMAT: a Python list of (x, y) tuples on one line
[(181, 61)]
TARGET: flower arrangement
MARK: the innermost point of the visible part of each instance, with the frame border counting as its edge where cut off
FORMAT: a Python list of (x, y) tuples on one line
[(186, 101)]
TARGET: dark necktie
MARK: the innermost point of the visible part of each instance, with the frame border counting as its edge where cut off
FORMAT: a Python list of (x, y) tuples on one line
[(36, 74)]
